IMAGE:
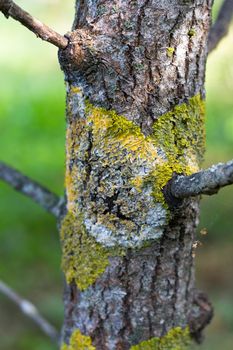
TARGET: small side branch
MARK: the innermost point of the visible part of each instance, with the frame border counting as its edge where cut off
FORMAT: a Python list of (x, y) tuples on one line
[(208, 181), (30, 311), (222, 24), (10, 9), (46, 199)]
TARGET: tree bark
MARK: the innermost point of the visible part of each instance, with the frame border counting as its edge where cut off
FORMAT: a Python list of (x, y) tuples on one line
[(135, 73)]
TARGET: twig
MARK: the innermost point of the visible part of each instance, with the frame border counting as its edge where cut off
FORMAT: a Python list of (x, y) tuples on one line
[(30, 311), (10, 9), (208, 181), (221, 25), (46, 199)]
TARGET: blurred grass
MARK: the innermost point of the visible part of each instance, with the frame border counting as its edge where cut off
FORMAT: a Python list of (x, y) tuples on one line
[(32, 104)]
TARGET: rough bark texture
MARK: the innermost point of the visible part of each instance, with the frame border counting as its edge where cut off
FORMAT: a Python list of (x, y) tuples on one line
[(135, 75)]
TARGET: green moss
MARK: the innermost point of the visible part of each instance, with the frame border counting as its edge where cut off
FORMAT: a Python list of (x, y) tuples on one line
[(176, 339), (78, 341), (83, 259), (170, 51)]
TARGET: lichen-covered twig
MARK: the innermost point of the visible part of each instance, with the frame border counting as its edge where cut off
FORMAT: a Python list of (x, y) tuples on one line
[(207, 181), (10, 9), (30, 311), (221, 26), (46, 199)]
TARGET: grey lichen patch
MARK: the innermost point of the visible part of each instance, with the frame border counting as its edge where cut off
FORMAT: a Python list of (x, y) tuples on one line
[(111, 232), (75, 103)]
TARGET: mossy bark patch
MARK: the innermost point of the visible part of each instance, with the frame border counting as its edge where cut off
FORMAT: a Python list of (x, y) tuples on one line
[(108, 158), (83, 259), (117, 128), (115, 179), (78, 341), (116, 174), (176, 339), (180, 133), (180, 136)]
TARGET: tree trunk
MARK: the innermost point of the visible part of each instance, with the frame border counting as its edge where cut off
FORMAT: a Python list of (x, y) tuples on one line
[(135, 73)]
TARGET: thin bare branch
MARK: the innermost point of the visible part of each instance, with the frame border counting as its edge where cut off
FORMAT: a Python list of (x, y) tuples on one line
[(46, 199), (30, 311), (10, 9), (221, 25), (207, 181)]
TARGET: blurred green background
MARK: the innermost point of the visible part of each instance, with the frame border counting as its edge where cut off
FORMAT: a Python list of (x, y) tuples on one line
[(32, 138)]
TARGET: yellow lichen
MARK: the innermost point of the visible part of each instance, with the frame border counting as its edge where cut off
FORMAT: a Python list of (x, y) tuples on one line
[(137, 182), (182, 130), (180, 135), (170, 51), (75, 89), (191, 32), (111, 128), (78, 341), (83, 259), (176, 339), (161, 175)]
